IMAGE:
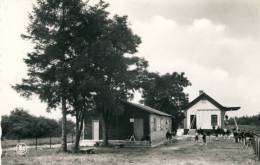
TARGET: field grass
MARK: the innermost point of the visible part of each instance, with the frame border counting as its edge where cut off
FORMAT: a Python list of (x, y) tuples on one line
[(255, 128), (182, 152), (7, 143)]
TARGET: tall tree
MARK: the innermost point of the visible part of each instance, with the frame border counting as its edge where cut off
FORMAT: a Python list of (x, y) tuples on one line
[(109, 48), (166, 93), (50, 30), (80, 50)]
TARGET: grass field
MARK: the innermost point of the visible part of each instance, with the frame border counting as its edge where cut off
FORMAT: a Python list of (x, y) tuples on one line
[(182, 152), (251, 127), (255, 128), (29, 142)]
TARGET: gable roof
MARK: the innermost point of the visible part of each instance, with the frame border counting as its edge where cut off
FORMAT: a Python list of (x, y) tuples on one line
[(146, 108), (204, 96)]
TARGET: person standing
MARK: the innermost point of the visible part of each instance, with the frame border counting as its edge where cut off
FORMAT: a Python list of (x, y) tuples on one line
[(235, 136), (168, 137), (196, 137), (204, 138)]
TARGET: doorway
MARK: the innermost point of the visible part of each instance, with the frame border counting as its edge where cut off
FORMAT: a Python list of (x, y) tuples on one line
[(193, 122), (138, 129), (95, 129)]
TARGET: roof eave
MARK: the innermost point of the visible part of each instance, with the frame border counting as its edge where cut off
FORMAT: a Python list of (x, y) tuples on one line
[(232, 108)]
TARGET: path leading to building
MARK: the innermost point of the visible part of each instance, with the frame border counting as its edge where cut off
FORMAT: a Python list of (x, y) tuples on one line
[(182, 152)]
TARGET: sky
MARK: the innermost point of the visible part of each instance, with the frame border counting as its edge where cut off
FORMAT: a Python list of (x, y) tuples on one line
[(216, 44)]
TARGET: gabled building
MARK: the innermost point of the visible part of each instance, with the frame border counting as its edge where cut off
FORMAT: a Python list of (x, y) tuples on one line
[(205, 113), (134, 125)]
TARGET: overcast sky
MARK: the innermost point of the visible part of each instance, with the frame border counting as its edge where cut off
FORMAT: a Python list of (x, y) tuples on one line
[(216, 43)]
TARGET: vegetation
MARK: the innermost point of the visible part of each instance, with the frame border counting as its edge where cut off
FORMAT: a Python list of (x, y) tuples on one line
[(166, 93), (83, 61), (51, 28), (20, 124), (183, 152), (250, 123), (253, 128), (79, 60), (248, 120)]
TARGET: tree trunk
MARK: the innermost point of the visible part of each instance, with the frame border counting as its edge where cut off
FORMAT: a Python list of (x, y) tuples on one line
[(76, 147), (50, 141), (104, 129), (64, 123), (79, 127)]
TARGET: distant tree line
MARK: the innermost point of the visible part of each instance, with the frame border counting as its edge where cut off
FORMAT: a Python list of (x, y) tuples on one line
[(246, 120), (21, 124)]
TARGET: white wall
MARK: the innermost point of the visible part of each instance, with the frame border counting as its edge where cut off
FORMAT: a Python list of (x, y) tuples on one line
[(203, 111)]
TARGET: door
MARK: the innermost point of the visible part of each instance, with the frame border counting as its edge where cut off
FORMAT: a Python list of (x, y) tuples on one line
[(138, 128), (193, 122), (95, 129)]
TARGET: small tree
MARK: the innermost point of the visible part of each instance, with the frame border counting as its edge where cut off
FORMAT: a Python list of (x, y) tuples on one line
[(20, 124)]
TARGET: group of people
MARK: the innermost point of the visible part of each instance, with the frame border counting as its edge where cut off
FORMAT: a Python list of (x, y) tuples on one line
[(239, 135), (243, 136)]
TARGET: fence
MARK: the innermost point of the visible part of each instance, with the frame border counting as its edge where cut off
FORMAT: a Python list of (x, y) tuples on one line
[(36, 142), (53, 141), (256, 145)]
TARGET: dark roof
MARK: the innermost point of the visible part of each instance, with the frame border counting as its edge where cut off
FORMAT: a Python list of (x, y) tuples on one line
[(204, 96), (146, 108)]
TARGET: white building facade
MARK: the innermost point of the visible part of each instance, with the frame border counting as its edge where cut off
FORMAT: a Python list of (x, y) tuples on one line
[(205, 113)]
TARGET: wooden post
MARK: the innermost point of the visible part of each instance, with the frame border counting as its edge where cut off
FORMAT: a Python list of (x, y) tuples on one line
[(254, 144), (50, 141), (36, 142), (258, 148)]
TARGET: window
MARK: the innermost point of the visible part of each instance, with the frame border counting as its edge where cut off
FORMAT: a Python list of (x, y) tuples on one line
[(162, 123), (158, 124), (214, 120), (154, 124)]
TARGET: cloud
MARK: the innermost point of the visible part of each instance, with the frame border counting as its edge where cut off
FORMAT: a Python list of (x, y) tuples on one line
[(214, 42), (214, 61), (242, 16)]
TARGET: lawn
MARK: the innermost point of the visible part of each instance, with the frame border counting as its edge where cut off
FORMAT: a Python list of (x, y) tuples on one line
[(182, 152)]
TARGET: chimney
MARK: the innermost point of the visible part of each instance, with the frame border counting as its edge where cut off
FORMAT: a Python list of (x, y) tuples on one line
[(201, 92)]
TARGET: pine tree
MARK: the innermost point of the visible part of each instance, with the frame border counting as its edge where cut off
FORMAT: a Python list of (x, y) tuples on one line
[(50, 30)]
